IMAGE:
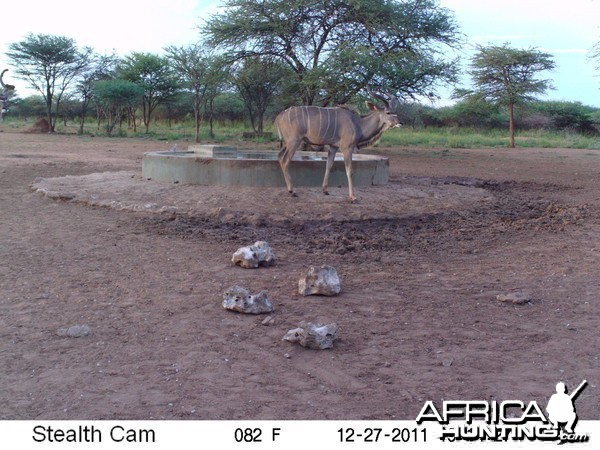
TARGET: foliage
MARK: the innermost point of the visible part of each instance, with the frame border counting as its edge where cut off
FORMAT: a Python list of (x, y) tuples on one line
[(337, 47), (154, 75), (594, 55), (116, 97), (258, 81), (506, 76), (450, 138), (192, 64), (49, 64), (228, 107), (101, 67), (570, 116), (32, 106), (218, 80)]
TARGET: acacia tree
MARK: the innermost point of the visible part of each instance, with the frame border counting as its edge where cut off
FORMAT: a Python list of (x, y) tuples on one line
[(336, 47), (192, 66), (154, 75), (257, 81), (49, 64), (101, 67), (506, 76), (115, 97), (217, 78)]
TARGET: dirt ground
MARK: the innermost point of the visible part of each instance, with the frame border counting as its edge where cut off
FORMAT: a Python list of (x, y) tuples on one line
[(421, 261)]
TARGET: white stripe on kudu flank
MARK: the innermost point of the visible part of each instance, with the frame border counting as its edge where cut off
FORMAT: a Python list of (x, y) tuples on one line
[(320, 127), (335, 120), (305, 109)]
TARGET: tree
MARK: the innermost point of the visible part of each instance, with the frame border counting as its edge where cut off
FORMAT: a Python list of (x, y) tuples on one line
[(49, 64), (595, 55), (154, 75), (217, 78), (506, 76), (192, 65), (115, 97), (336, 47), (101, 67), (258, 81)]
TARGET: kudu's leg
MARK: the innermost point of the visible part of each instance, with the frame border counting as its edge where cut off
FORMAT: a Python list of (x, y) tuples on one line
[(348, 163), (330, 159), (285, 156)]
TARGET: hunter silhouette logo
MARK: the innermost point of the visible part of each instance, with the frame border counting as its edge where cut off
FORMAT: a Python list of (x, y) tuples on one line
[(480, 420), (561, 407)]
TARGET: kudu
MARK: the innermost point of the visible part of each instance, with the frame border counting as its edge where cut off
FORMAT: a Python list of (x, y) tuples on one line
[(338, 127)]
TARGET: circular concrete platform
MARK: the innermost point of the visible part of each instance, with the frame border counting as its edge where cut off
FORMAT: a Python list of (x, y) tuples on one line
[(210, 165)]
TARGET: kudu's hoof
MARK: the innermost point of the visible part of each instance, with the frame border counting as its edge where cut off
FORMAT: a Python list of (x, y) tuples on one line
[(293, 194), (353, 200), (325, 192)]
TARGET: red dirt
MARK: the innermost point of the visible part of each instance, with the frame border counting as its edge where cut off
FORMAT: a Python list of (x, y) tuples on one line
[(421, 262)]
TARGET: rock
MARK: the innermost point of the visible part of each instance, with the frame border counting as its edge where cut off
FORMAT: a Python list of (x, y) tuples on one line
[(518, 298), (259, 254), (239, 299), (268, 321), (75, 331), (321, 281), (309, 335)]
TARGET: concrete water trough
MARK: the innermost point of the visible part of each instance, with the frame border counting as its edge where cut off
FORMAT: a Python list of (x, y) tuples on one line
[(228, 166)]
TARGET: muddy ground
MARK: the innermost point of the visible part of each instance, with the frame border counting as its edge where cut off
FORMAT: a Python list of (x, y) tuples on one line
[(144, 265)]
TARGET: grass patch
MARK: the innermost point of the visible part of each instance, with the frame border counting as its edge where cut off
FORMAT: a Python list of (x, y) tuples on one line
[(434, 138), (473, 138)]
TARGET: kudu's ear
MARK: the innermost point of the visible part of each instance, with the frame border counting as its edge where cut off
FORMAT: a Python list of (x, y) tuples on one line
[(372, 106)]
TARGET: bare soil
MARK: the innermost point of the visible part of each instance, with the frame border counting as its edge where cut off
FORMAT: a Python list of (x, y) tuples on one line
[(144, 265)]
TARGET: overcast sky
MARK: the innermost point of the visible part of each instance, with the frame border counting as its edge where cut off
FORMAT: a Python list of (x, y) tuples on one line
[(565, 29)]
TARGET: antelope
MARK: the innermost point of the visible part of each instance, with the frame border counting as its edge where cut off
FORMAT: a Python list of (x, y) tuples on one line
[(337, 127)]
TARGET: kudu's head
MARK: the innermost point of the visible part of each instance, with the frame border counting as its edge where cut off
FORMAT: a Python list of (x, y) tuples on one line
[(387, 112)]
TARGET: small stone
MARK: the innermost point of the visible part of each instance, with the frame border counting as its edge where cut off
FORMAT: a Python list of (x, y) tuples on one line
[(287, 355), (259, 254), (75, 331), (239, 299), (321, 281), (518, 298), (315, 336), (268, 321)]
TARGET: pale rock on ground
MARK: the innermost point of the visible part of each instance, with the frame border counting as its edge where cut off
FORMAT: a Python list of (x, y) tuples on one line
[(259, 254), (315, 336), (320, 281), (239, 299)]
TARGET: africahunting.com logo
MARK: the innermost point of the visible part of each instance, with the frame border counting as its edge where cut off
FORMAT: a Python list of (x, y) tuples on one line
[(481, 420)]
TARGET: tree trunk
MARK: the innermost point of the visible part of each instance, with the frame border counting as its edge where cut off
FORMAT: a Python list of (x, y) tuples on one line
[(50, 122), (210, 117), (197, 124), (81, 122), (511, 124), (261, 121)]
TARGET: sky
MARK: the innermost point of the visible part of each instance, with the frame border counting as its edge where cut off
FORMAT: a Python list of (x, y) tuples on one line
[(565, 29)]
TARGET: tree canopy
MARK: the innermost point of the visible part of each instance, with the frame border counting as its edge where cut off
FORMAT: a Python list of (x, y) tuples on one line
[(49, 64), (508, 76), (338, 47), (154, 75), (192, 65)]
